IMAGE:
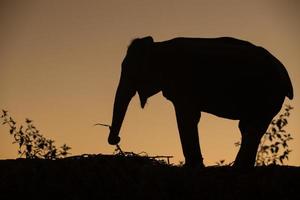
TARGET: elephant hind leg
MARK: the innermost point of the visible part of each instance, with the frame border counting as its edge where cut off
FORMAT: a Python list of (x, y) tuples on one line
[(187, 121), (251, 131)]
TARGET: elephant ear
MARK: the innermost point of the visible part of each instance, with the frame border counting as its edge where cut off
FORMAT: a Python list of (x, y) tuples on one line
[(145, 71), (141, 49)]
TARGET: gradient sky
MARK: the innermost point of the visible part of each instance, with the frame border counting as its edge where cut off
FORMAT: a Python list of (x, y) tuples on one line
[(60, 66)]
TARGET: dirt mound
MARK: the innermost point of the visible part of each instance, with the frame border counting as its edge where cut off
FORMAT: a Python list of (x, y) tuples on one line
[(130, 177)]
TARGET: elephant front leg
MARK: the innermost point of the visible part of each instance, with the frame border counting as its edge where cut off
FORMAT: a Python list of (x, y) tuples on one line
[(187, 121)]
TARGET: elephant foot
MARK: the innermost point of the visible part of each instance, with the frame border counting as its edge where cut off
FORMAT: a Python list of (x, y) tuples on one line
[(243, 166), (242, 162)]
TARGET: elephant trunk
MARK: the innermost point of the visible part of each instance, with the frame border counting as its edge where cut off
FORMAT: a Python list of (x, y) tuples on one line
[(123, 96)]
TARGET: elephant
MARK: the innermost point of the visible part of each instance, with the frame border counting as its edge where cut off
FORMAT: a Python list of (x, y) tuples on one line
[(225, 76)]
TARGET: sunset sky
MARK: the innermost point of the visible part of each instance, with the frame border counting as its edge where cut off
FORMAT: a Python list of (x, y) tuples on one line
[(60, 66)]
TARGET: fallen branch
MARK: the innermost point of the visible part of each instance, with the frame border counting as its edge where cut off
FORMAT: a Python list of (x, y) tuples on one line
[(119, 151)]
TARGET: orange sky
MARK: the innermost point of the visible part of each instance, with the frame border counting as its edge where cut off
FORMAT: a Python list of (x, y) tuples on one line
[(60, 66)]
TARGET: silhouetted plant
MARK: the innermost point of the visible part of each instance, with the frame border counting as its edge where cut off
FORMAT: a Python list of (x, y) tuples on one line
[(273, 148), (31, 143)]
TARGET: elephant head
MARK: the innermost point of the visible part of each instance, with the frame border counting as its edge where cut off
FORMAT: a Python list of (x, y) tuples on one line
[(136, 76)]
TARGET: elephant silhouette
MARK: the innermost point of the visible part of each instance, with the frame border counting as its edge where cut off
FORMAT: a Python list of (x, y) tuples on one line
[(224, 76)]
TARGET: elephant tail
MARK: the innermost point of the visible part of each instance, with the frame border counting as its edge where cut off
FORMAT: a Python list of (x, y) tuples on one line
[(290, 92), (283, 76), (285, 80)]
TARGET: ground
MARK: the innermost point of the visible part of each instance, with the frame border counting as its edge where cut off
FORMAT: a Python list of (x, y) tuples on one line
[(135, 177)]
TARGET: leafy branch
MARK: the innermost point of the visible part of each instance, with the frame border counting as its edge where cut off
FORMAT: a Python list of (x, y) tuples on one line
[(31, 143), (273, 148)]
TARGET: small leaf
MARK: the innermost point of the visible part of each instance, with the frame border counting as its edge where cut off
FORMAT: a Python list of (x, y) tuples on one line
[(284, 144), (11, 131), (4, 112), (270, 138), (279, 123), (277, 143)]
